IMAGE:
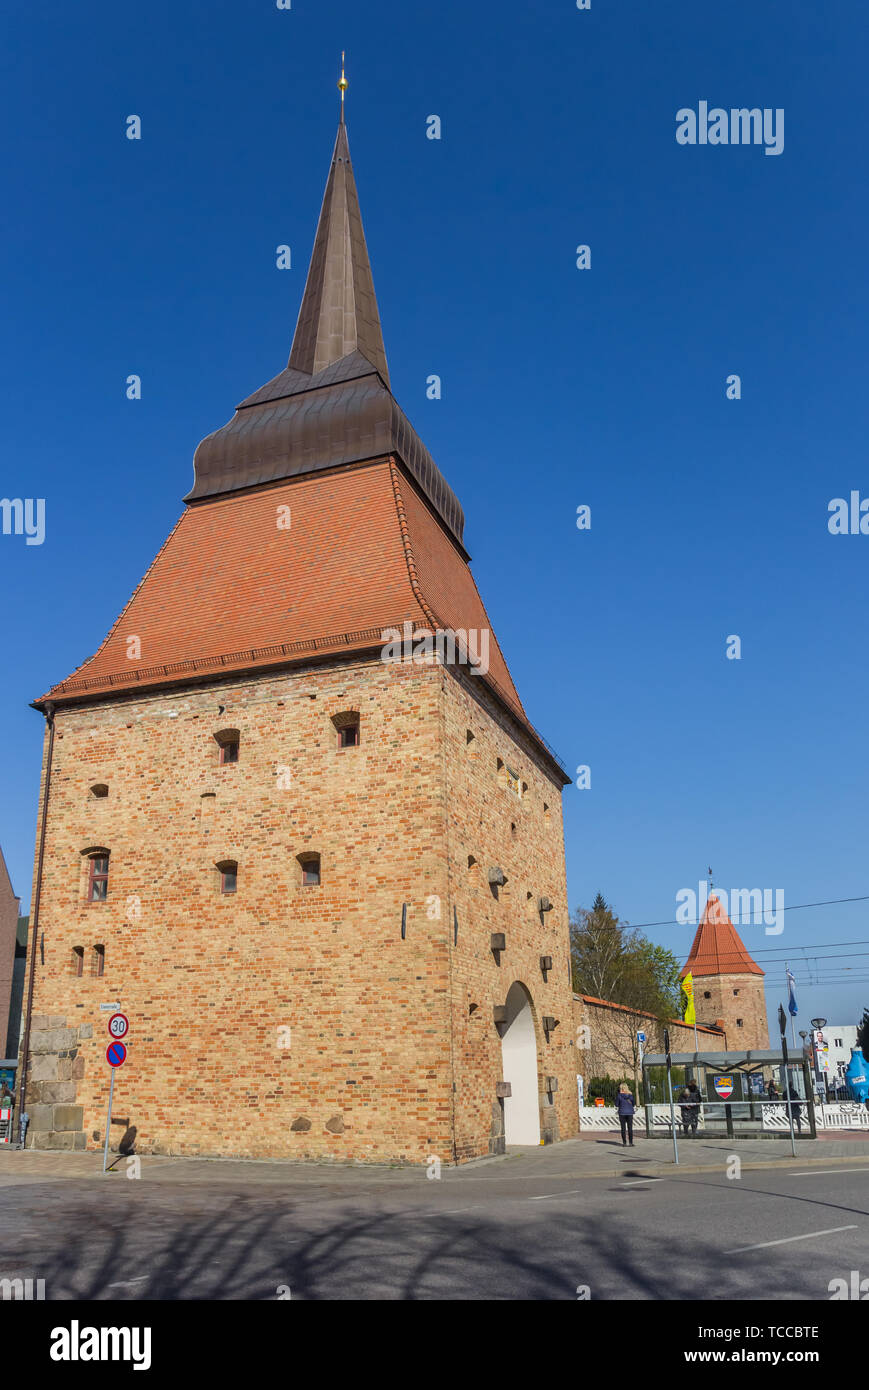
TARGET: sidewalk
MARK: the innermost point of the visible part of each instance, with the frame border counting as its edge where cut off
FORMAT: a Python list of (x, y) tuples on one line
[(592, 1156)]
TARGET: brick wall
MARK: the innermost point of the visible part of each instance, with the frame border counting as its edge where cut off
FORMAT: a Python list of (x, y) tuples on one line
[(522, 835), (606, 1037), (212, 983), (734, 998)]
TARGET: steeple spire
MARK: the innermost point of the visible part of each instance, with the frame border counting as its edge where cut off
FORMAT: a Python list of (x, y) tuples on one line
[(343, 84), (339, 308)]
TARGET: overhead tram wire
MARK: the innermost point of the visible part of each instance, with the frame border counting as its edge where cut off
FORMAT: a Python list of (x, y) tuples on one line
[(793, 907)]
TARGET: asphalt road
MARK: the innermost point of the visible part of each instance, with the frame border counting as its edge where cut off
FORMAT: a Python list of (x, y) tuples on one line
[(501, 1231)]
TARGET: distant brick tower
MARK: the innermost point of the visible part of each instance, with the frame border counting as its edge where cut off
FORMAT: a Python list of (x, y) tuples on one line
[(728, 984), (327, 888)]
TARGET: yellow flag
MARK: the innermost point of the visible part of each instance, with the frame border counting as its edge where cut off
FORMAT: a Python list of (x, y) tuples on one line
[(688, 1014)]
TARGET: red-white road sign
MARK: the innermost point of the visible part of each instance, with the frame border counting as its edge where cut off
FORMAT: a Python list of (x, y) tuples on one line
[(119, 1025)]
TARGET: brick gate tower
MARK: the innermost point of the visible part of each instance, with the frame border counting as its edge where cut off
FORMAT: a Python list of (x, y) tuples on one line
[(323, 876), (728, 984)]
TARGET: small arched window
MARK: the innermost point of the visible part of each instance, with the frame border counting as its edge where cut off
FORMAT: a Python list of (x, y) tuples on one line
[(228, 741), (99, 790), (98, 875), (76, 963), (98, 960), (310, 866), (347, 727), (228, 872)]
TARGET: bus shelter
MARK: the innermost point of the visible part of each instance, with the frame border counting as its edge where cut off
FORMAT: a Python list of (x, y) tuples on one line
[(741, 1093)]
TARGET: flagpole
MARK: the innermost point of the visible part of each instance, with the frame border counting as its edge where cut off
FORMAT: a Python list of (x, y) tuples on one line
[(788, 988), (708, 896)]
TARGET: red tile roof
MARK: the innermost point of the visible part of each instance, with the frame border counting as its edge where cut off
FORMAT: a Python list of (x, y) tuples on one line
[(717, 948), (231, 591), (643, 1013)]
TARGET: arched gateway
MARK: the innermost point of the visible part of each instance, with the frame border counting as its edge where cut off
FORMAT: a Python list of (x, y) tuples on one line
[(519, 1052)]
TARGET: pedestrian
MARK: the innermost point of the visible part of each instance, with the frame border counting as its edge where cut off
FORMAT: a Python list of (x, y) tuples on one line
[(771, 1089), (625, 1107), (796, 1109), (689, 1104)]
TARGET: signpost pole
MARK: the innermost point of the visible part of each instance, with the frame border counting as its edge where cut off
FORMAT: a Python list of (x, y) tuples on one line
[(670, 1089), (116, 1053), (782, 1023), (109, 1120), (641, 1042)]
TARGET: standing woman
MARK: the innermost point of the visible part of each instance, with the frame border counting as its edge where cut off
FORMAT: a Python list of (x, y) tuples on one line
[(625, 1107)]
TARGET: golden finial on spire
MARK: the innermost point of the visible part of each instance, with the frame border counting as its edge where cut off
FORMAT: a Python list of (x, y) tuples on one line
[(342, 84)]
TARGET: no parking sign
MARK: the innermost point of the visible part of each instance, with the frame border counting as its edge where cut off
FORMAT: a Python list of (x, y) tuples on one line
[(116, 1056)]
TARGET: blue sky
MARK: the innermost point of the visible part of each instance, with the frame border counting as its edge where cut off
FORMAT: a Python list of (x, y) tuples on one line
[(560, 387)]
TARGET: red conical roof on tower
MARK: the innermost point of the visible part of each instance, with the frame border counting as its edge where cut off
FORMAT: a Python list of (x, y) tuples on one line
[(717, 948)]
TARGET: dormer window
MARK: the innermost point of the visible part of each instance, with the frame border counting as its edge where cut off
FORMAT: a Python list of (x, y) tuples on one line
[(347, 727), (228, 743)]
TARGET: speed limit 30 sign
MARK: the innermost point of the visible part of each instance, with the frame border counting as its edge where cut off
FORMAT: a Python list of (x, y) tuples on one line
[(119, 1025)]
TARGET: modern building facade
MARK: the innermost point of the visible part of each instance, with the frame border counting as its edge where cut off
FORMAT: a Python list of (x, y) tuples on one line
[(297, 822)]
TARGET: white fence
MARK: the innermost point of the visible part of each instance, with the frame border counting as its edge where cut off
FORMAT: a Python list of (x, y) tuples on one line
[(604, 1117), (840, 1116)]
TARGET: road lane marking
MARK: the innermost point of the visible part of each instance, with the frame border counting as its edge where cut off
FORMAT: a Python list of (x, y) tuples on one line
[(549, 1195), (125, 1283), (825, 1172), (642, 1182), (449, 1211), (810, 1235)]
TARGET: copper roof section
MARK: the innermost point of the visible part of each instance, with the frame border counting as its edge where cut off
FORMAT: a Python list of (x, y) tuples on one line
[(717, 948), (339, 309), (332, 404), (300, 424)]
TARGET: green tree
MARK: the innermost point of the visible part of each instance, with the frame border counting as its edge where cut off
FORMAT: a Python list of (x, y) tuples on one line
[(612, 961)]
